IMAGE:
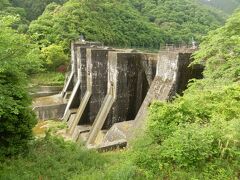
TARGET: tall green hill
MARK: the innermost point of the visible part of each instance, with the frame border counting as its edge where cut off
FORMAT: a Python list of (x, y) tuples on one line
[(125, 22), (180, 20), (34, 8)]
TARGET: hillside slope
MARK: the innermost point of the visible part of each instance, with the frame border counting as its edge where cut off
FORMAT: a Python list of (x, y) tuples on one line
[(125, 23), (227, 6), (33, 8), (180, 20)]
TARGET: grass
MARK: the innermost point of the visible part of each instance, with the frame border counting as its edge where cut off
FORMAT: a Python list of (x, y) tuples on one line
[(50, 126), (48, 79), (53, 158)]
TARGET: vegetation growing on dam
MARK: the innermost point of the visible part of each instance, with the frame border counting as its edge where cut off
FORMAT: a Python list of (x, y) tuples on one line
[(195, 136)]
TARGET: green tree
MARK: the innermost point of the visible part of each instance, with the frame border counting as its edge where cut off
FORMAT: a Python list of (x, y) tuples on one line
[(127, 23), (197, 136), (16, 117), (53, 56), (34, 8), (111, 22)]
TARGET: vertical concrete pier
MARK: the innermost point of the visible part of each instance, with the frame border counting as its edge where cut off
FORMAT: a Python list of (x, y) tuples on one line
[(69, 83), (80, 86), (129, 75), (96, 87), (108, 100)]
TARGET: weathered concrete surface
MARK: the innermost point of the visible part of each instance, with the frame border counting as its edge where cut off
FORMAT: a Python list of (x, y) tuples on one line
[(135, 72), (96, 83), (172, 77), (185, 73), (42, 91), (119, 131), (118, 144), (99, 82), (72, 78), (108, 100), (109, 88), (80, 112), (129, 76), (160, 89), (75, 97), (79, 130), (50, 107), (68, 85)]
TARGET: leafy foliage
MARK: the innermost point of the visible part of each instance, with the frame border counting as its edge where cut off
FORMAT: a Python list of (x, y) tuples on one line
[(180, 20), (53, 56), (116, 23), (48, 79), (226, 6), (52, 158), (197, 135), (221, 50), (16, 117), (7, 9), (33, 8)]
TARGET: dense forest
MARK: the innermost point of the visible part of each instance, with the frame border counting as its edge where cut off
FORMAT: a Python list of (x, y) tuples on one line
[(115, 23), (226, 6), (195, 136)]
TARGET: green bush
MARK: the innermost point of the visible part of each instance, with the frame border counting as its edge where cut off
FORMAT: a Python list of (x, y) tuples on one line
[(192, 136), (53, 56), (16, 117), (197, 136), (54, 158), (48, 79)]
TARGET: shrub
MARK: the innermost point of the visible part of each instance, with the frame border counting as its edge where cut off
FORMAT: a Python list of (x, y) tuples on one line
[(53, 57), (16, 117)]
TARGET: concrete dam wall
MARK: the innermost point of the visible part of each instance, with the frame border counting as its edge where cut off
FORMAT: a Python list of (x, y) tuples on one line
[(107, 92)]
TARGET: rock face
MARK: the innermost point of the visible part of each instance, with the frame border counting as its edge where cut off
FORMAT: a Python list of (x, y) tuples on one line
[(110, 90)]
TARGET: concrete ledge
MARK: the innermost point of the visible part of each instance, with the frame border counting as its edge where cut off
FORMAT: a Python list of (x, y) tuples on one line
[(46, 88), (43, 94), (42, 91), (52, 112), (119, 144), (119, 131), (50, 107)]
